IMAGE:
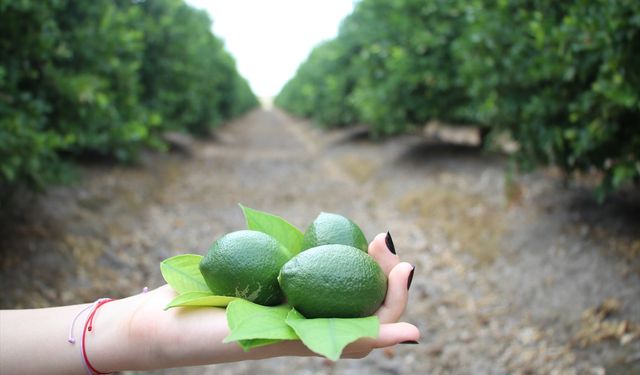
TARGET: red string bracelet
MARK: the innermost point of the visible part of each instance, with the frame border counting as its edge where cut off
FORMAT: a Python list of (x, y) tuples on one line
[(88, 326)]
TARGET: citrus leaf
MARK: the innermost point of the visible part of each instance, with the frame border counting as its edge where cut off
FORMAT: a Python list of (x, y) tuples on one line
[(275, 226), (182, 273), (329, 336), (255, 325), (247, 345), (195, 299)]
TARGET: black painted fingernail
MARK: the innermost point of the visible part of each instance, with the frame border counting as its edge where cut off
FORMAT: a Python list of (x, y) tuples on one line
[(410, 279), (412, 342), (389, 241)]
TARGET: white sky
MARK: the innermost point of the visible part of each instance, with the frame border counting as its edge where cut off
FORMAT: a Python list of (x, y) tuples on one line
[(270, 38)]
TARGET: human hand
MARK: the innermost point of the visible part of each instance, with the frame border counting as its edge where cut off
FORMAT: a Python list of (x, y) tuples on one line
[(154, 338)]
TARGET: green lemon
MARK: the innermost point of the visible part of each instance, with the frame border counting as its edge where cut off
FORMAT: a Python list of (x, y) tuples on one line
[(245, 264), (330, 229), (333, 281)]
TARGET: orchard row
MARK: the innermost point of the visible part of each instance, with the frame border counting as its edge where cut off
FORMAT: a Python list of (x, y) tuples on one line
[(562, 78), (105, 77)]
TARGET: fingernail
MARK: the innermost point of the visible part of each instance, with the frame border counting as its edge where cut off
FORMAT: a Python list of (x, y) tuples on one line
[(410, 279), (389, 241), (412, 342)]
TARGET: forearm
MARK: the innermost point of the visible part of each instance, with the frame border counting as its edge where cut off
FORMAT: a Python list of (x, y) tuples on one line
[(134, 333), (36, 341)]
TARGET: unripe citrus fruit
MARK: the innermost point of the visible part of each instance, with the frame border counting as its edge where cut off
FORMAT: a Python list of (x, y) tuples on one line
[(245, 264), (333, 281), (330, 229)]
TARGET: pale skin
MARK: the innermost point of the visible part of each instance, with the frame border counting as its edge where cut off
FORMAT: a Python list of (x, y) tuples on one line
[(136, 333)]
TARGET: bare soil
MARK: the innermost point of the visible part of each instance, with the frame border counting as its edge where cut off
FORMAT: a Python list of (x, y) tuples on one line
[(513, 275)]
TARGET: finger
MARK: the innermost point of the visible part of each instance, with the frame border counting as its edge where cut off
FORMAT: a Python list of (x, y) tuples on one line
[(383, 251), (397, 293), (396, 333), (389, 335)]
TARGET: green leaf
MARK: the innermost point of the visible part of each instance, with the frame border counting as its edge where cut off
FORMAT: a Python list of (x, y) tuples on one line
[(254, 325), (275, 226), (328, 337), (247, 345), (195, 299), (182, 273)]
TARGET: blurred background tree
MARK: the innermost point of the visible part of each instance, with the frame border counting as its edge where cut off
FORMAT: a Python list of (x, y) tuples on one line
[(560, 78), (106, 77)]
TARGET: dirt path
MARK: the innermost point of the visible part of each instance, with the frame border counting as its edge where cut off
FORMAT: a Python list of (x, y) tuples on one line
[(504, 275)]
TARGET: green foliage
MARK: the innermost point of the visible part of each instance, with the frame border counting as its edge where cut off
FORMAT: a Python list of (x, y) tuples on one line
[(561, 78), (329, 336), (408, 72), (323, 83), (91, 81), (187, 76), (105, 77), (28, 149), (284, 232), (182, 272), (385, 68), (199, 299), (564, 82), (252, 325)]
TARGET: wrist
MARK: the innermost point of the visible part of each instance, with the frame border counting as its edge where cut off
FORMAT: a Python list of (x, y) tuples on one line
[(108, 346)]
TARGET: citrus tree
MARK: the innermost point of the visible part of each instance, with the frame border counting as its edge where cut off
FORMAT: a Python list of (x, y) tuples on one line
[(561, 78), (105, 77), (564, 82)]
